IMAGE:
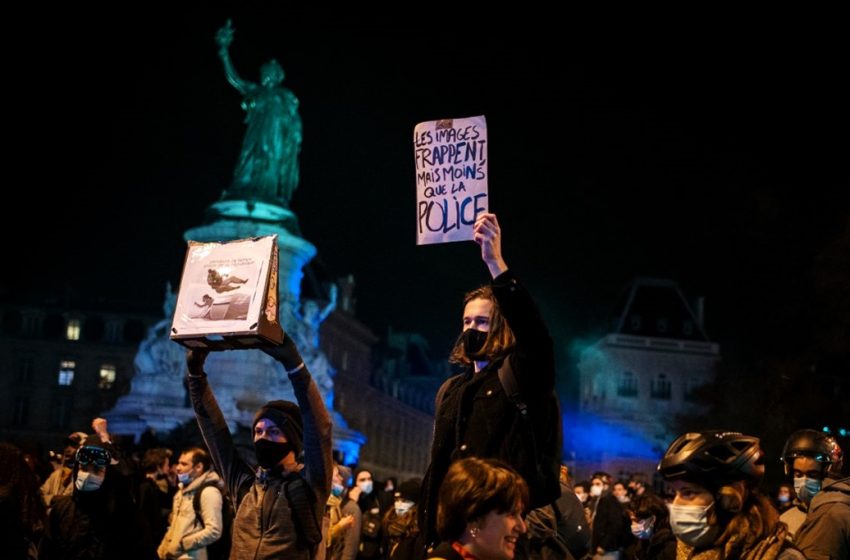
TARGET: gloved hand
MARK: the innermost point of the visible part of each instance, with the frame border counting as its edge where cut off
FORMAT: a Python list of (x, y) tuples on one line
[(286, 353), (195, 358)]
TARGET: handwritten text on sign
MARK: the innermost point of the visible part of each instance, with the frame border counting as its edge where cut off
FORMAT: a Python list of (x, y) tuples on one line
[(451, 178)]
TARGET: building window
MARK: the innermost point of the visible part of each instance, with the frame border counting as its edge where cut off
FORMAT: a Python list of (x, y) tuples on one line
[(72, 329), (107, 376), (627, 386), (661, 387), (66, 372), (25, 369), (33, 324), (114, 330), (661, 325), (62, 412), (20, 411)]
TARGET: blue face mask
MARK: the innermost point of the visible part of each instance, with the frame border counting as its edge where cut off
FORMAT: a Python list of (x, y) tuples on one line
[(88, 482), (337, 489), (642, 529), (806, 488), (184, 478)]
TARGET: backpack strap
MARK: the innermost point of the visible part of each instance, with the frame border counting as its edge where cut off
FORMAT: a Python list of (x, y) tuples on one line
[(302, 502), (196, 499), (509, 383)]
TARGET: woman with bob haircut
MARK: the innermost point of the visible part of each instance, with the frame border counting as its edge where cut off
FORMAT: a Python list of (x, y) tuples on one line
[(480, 511), (719, 511)]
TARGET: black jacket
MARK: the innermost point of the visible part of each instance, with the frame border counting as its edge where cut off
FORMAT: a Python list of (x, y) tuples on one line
[(96, 524), (660, 546), (475, 418)]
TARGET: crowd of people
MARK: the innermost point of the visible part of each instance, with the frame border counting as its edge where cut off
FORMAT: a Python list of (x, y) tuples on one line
[(494, 489), (101, 503)]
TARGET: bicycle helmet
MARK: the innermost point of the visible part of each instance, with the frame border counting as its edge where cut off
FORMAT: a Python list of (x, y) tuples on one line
[(713, 458), (817, 445)]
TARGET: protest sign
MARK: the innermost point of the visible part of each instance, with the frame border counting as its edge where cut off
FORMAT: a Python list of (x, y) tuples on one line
[(451, 178)]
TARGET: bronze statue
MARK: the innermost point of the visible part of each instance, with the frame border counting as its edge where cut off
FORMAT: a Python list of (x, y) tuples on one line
[(268, 164)]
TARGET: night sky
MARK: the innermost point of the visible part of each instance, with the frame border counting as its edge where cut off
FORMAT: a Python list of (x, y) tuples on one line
[(718, 160)]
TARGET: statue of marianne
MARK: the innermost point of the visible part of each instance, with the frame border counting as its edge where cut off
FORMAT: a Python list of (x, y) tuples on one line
[(268, 164)]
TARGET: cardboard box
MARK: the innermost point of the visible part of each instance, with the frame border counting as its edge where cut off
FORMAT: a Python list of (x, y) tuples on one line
[(228, 295)]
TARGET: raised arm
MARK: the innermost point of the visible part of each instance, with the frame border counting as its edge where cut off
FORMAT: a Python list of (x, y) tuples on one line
[(533, 343), (318, 429), (224, 37), (233, 470)]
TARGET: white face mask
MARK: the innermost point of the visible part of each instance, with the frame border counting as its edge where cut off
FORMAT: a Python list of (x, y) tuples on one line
[(596, 490), (402, 506), (88, 482), (690, 525), (365, 486)]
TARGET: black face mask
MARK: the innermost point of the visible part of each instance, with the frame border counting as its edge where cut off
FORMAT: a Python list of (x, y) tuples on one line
[(270, 453), (473, 341)]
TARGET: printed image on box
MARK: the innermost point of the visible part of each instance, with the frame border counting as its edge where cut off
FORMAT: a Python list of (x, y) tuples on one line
[(222, 307), (228, 289)]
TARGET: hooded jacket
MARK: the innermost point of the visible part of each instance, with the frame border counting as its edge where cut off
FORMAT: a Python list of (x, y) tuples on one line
[(826, 532), (187, 536), (264, 526)]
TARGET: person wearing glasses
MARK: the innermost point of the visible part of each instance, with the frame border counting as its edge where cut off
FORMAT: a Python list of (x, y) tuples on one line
[(97, 519)]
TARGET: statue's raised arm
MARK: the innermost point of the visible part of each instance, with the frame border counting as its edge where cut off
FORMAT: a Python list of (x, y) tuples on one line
[(224, 37)]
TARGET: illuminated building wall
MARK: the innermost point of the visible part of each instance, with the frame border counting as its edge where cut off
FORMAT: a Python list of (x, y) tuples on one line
[(635, 380)]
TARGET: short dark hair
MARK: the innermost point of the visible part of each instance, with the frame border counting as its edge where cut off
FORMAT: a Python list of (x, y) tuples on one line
[(647, 505), (603, 476), (473, 488), (199, 456), (154, 458)]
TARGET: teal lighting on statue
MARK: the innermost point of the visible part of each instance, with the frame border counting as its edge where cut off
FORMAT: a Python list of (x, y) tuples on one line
[(267, 170), (256, 203)]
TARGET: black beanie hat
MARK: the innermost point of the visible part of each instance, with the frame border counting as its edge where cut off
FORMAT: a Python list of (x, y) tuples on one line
[(287, 416), (409, 490)]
